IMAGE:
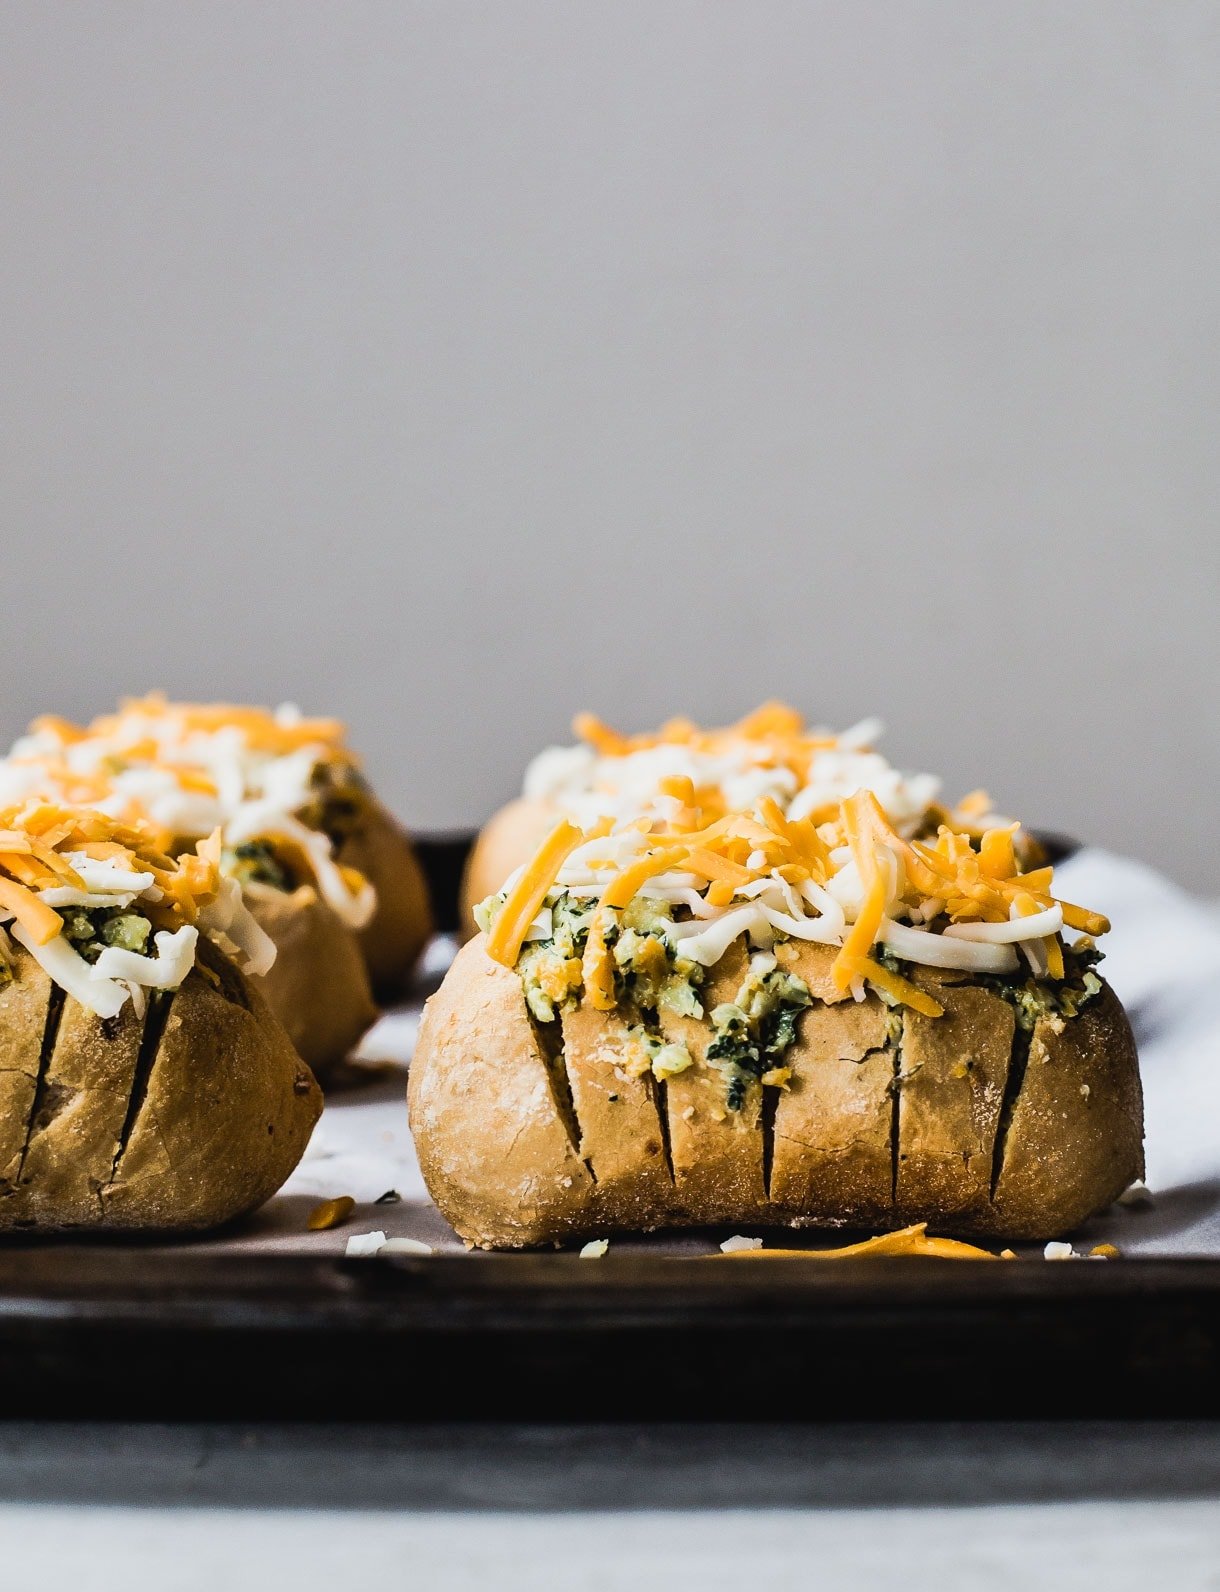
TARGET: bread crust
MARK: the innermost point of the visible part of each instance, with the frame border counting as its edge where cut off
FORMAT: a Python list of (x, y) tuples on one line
[(953, 1075), (180, 1120), (888, 1117), (1074, 1136), (327, 978), (394, 938), (487, 1126), (318, 986), (833, 1124), (24, 1002), (618, 1115)]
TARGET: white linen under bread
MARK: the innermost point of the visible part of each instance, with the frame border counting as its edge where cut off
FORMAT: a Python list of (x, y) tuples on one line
[(1163, 958)]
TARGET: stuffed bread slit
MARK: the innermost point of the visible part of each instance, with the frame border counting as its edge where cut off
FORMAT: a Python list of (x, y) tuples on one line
[(1074, 1122), (79, 1110), (1069, 1145), (616, 1103), (715, 1111), (951, 1087), (492, 1071), (29, 1011), (252, 1107)]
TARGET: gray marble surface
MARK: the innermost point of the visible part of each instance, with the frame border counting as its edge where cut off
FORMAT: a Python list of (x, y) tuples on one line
[(183, 1509)]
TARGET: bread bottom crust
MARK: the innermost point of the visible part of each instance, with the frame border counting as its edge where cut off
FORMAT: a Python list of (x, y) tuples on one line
[(967, 1122)]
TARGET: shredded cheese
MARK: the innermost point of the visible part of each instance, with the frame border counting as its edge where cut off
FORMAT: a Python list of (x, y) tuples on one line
[(953, 892), (527, 895), (187, 769), (77, 861), (38, 920)]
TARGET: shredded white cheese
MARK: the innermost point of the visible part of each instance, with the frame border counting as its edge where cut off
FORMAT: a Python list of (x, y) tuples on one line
[(363, 1245), (405, 1246), (144, 760)]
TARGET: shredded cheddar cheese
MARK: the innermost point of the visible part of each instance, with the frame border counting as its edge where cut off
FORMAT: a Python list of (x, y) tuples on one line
[(105, 912), (185, 769), (34, 916), (951, 891), (906, 1241), (526, 896), (770, 752)]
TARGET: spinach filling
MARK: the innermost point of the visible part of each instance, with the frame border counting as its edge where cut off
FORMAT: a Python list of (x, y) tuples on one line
[(649, 969), (648, 972), (649, 1051), (341, 795), (550, 969), (1032, 998), (754, 1031), (257, 862), (89, 930)]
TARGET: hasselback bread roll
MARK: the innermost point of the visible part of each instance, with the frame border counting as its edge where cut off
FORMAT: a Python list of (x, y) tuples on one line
[(144, 1084), (835, 1016)]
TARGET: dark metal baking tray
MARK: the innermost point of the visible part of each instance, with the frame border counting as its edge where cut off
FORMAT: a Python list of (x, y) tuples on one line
[(130, 1330)]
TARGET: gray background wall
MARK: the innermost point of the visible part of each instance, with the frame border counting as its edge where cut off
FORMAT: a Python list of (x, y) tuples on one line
[(452, 366)]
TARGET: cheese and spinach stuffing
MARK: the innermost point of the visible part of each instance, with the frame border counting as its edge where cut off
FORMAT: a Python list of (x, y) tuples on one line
[(284, 791), (106, 914), (633, 907)]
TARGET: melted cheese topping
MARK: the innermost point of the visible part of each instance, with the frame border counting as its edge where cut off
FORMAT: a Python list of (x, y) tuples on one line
[(848, 875), (188, 769), (55, 859)]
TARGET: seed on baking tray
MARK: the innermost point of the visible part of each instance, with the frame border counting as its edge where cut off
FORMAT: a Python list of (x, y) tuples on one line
[(390, 1197), (330, 1213)]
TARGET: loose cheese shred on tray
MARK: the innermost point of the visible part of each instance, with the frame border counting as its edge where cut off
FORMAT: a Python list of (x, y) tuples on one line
[(877, 869), (103, 910), (907, 1241)]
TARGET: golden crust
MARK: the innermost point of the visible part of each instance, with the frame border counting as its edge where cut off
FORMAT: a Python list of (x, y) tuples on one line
[(183, 1120), (326, 976), (1075, 1131), (76, 1132), (833, 1124), (318, 985), (23, 1020), (400, 928), (509, 838), (618, 1115), (488, 1130), (954, 1070), (888, 1118)]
